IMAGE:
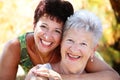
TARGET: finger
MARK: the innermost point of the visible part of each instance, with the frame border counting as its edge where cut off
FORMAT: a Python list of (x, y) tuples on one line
[(34, 68), (44, 73), (42, 70), (38, 69), (54, 75)]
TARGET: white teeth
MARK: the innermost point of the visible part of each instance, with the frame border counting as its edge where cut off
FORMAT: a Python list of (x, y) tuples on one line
[(46, 43), (73, 56)]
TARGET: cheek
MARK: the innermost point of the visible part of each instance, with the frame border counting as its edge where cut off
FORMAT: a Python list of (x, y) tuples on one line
[(85, 52), (57, 38), (88, 53), (37, 29), (65, 48), (38, 32)]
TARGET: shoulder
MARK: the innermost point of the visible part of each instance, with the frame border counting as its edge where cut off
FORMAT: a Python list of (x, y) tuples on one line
[(30, 38), (12, 45), (30, 42), (11, 50), (9, 59)]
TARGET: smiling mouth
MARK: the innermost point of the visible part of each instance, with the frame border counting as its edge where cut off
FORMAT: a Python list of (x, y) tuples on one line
[(73, 56), (46, 43)]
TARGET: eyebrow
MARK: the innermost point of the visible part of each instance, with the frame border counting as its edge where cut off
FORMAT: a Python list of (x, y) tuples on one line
[(45, 24), (55, 28)]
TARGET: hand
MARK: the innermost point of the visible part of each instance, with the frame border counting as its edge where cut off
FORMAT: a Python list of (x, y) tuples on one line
[(48, 73), (32, 76)]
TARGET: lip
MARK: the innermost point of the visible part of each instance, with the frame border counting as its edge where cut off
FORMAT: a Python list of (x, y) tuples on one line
[(73, 57), (45, 43)]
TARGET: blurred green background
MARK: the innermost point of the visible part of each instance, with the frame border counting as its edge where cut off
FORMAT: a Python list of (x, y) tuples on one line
[(16, 17)]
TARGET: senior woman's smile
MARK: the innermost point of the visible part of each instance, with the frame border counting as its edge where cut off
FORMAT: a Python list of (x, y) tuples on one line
[(73, 57)]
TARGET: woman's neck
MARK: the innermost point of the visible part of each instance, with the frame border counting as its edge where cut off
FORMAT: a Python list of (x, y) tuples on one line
[(60, 68), (44, 57)]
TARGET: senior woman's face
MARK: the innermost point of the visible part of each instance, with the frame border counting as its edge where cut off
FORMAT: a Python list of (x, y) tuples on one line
[(76, 49), (47, 34)]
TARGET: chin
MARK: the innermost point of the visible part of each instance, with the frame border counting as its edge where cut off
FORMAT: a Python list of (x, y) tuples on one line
[(76, 70)]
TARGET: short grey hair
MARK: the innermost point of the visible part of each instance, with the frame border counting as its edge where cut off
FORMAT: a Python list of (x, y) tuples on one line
[(86, 20)]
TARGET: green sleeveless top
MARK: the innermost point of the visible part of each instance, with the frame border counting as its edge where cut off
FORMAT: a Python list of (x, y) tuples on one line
[(25, 61)]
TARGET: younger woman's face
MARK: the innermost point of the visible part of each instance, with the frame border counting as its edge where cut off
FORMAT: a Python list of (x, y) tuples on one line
[(76, 49), (47, 34)]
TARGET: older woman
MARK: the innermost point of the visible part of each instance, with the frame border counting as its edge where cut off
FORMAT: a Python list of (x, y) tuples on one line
[(81, 34)]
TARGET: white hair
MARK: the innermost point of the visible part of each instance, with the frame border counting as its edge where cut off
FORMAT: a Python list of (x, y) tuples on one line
[(85, 20)]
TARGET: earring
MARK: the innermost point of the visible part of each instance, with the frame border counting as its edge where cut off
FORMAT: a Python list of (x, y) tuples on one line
[(91, 59)]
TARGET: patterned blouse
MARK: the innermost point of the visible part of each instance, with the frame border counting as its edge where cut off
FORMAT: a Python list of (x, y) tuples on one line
[(25, 61)]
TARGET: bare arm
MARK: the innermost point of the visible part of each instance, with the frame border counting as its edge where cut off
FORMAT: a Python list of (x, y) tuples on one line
[(9, 60), (98, 70), (92, 76)]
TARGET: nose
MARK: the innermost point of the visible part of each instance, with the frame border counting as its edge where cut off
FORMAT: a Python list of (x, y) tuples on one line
[(48, 35), (75, 48)]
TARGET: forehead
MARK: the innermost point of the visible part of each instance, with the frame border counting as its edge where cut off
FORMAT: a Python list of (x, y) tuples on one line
[(77, 33), (49, 22), (53, 18)]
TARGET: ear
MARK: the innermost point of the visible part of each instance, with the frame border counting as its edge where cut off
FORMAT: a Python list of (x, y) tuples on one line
[(94, 49)]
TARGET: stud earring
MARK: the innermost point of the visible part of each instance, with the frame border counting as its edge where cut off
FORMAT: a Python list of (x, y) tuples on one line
[(91, 59)]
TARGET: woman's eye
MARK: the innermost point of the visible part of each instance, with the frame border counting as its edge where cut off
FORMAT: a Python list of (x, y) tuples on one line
[(69, 40), (58, 31), (83, 44), (42, 26)]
